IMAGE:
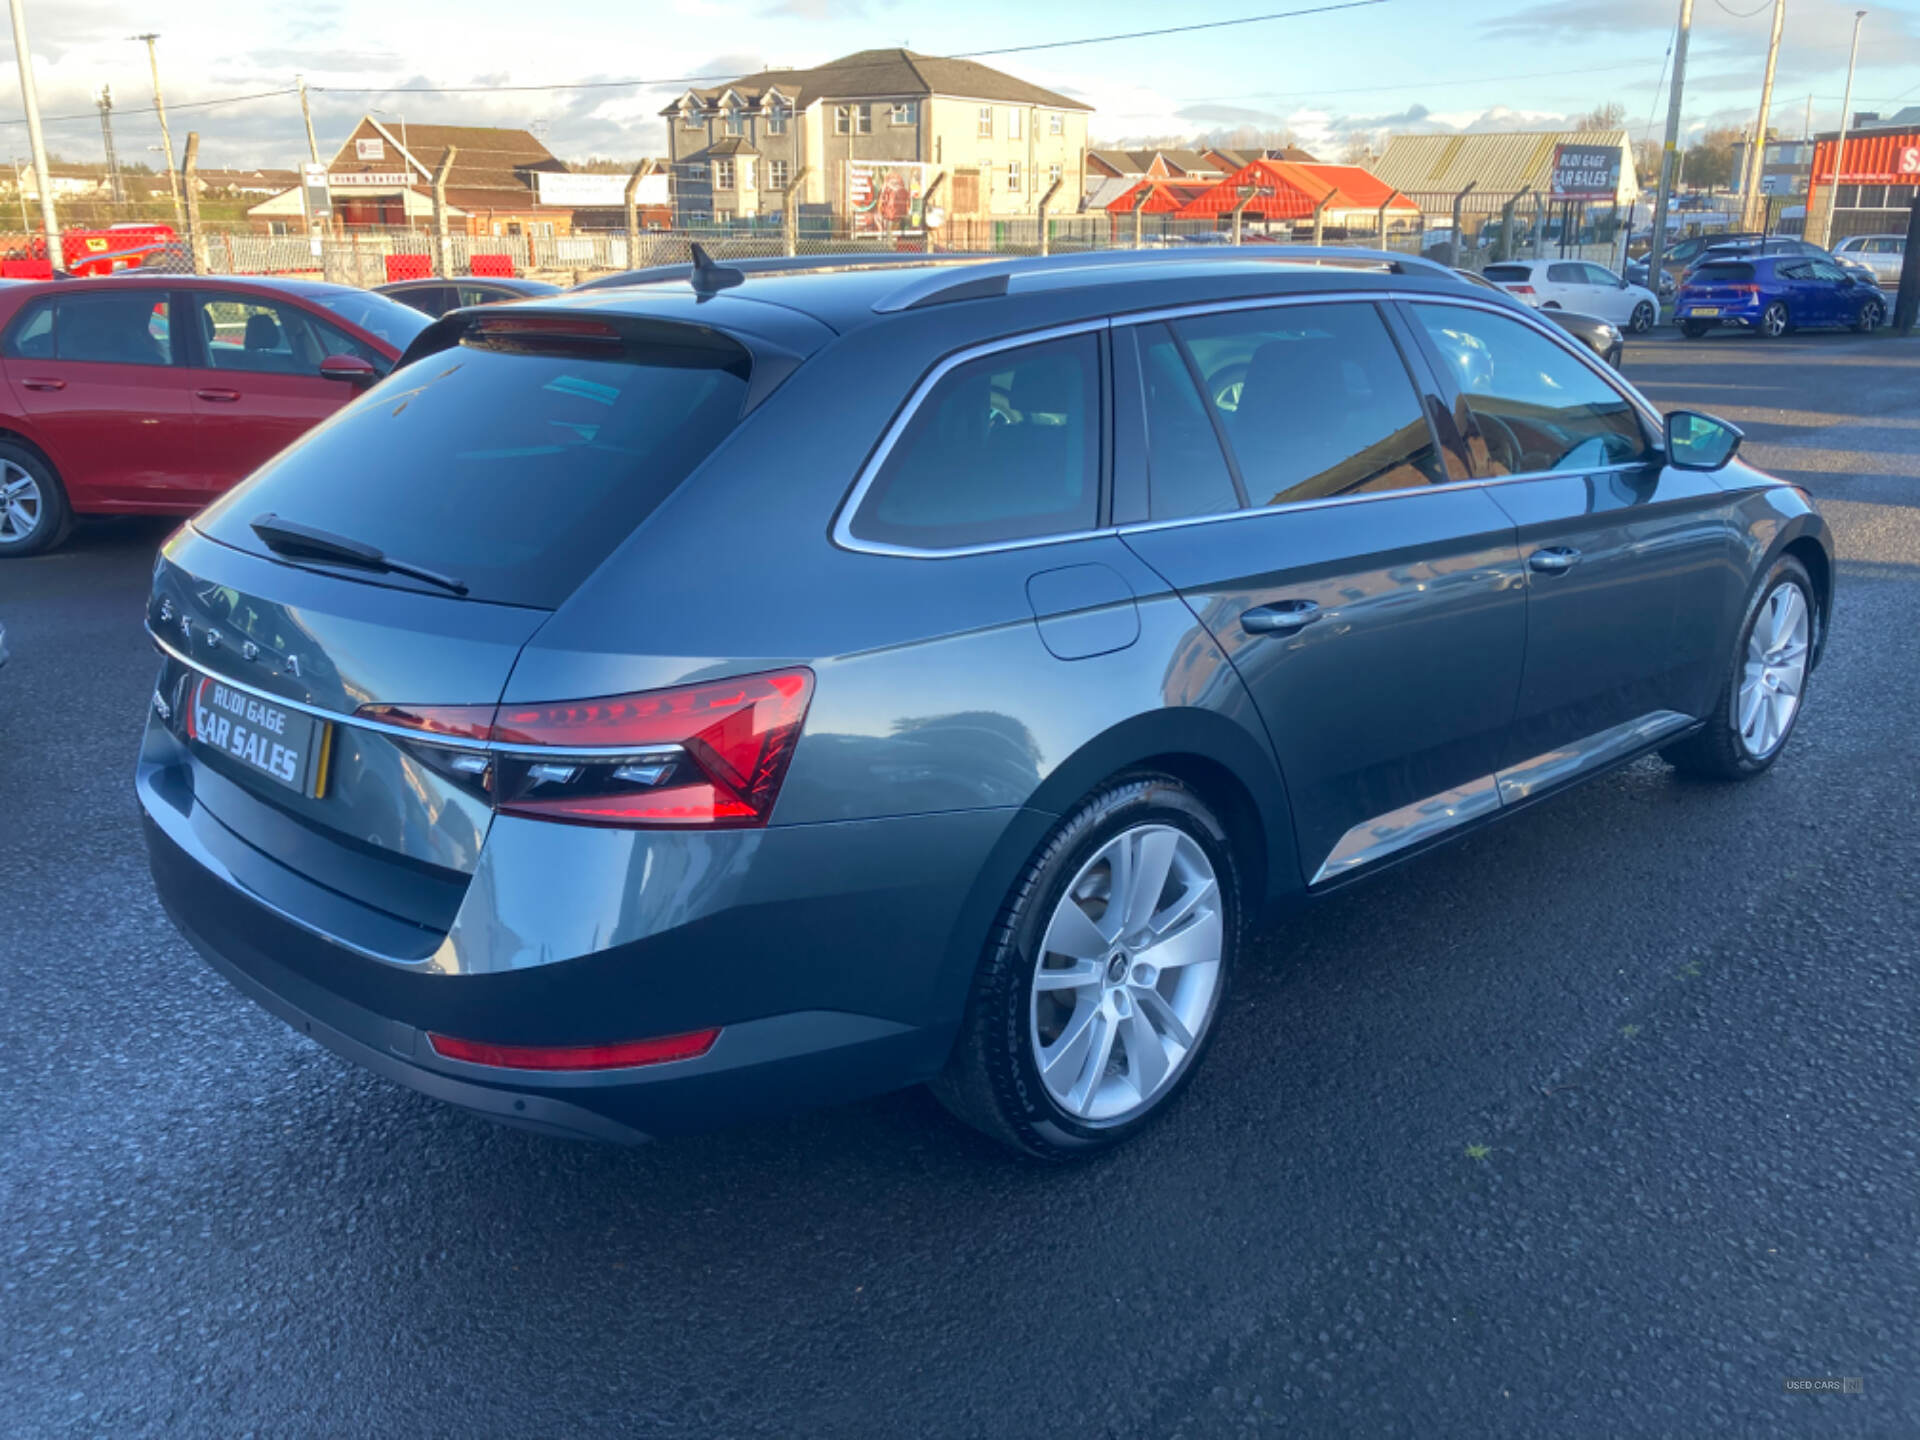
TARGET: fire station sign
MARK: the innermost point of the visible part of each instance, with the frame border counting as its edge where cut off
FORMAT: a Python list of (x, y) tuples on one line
[(378, 179), (1585, 172)]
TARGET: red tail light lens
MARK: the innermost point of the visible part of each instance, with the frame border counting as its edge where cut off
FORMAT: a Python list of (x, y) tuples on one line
[(1520, 290), (617, 1056), (696, 755)]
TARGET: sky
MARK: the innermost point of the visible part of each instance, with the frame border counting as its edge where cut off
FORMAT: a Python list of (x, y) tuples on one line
[(1396, 65)]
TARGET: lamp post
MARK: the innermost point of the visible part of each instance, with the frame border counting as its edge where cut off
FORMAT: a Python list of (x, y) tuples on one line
[(1840, 145), (30, 99), (166, 138)]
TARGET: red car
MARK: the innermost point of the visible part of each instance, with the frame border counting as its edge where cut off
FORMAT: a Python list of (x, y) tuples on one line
[(152, 394)]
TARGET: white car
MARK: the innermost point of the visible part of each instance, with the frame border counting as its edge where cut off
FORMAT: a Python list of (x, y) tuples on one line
[(1580, 286), (1882, 254)]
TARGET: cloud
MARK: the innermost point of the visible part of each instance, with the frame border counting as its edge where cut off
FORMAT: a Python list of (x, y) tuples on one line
[(1227, 115)]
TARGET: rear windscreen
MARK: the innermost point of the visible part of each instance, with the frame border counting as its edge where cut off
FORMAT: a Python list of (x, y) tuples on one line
[(1508, 272), (1723, 272), (516, 470)]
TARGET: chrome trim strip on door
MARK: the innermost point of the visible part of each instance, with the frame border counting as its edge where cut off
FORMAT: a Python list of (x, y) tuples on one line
[(1556, 767), (1381, 836), (425, 737)]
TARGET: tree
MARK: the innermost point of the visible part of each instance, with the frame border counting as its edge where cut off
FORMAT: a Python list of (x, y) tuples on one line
[(1610, 116), (1709, 161), (1358, 149), (1646, 162)]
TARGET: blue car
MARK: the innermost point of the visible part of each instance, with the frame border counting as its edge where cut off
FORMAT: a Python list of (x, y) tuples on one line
[(1774, 294)]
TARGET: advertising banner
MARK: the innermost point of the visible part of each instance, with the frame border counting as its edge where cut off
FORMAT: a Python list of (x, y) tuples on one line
[(885, 197), (1586, 172)]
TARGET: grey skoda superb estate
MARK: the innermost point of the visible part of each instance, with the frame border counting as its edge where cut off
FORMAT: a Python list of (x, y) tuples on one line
[(735, 688)]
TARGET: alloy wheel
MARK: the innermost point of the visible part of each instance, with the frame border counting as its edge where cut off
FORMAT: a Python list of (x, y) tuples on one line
[(22, 506), (1642, 318), (1775, 671), (1774, 321), (1128, 974)]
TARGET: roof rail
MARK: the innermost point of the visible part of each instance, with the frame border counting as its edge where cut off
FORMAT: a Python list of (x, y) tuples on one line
[(774, 264), (990, 279)]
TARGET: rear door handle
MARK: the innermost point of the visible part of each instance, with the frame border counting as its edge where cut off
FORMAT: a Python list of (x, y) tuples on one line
[(1554, 560), (1283, 617), (223, 396), (43, 384)]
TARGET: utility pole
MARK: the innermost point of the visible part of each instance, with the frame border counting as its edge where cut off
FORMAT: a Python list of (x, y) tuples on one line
[(443, 245), (30, 99), (1840, 145), (306, 114), (196, 237), (166, 138), (1670, 150), (114, 185), (1754, 207)]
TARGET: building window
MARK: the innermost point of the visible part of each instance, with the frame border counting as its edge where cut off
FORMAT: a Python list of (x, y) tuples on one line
[(906, 112), (696, 172), (777, 119), (1053, 174), (1013, 124), (863, 119), (1056, 124), (736, 122), (690, 119), (1013, 176), (723, 174), (777, 174), (986, 122), (843, 119), (746, 172)]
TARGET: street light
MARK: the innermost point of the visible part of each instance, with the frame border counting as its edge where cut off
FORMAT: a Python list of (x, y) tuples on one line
[(1840, 145), (166, 136)]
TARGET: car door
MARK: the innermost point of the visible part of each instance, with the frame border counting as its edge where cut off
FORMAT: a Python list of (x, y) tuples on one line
[(1567, 286), (1375, 611), (94, 371), (1633, 577), (1611, 298), (1840, 294), (256, 379)]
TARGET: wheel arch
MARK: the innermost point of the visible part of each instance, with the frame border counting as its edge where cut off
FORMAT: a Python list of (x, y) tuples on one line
[(14, 435), (1807, 549)]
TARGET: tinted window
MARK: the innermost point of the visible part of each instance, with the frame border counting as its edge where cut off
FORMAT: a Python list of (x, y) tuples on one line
[(1186, 472), (1724, 272), (1509, 273), (1315, 401), (264, 337), (1567, 274), (1006, 447), (518, 472), (118, 328), (380, 317), (483, 294), (428, 299), (1826, 270), (1600, 275), (1538, 406), (31, 337)]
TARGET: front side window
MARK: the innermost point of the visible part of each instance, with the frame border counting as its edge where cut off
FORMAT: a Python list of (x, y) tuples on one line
[(1827, 270), (1539, 407), (1600, 275), (1005, 447), (1314, 400), (258, 336), (986, 122)]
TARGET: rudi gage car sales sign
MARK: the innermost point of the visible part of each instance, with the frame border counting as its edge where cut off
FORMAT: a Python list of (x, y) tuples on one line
[(1586, 172)]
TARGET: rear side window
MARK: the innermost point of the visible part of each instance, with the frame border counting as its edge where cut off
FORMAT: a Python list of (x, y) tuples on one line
[(516, 469), (130, 327), (1005, 447), (1539, 407), (1724, 272), (1186, 472), (1508, 273), (1314, 400)]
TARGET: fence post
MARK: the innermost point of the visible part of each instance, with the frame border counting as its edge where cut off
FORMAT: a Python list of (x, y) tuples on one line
[(926, 205), (1506, 229), (1459, 205), (1320, 217), (1383, 219), (1246, 194), (196, 238), (790, 210), (640, 171), (442, 250), (1041, 213), (1139, 211)]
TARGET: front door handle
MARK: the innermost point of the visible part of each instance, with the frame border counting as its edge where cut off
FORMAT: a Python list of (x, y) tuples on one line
[(219, 396), (44, 384), (1554, 560), (1283, 617)]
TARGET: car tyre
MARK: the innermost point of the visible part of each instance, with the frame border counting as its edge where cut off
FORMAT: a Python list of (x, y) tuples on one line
[(1693, 329), (1030, 992), (1749, 725), (1871, 314), (34, 513), (1774, 320), (1643, 317)]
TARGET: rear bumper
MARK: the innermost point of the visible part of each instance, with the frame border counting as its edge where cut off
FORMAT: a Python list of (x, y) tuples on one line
[(831, 996)]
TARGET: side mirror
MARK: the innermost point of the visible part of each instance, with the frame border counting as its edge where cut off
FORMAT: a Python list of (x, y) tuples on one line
[(349, 368), (1700, 442)]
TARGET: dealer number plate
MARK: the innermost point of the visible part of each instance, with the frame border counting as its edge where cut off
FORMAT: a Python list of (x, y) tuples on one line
[(284, 745)]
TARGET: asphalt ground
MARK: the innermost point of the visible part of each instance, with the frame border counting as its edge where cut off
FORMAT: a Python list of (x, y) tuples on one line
[(1599, 1123)]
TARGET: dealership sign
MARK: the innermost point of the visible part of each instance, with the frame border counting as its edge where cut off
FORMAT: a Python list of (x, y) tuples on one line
[(886, 196), (1585, 172)]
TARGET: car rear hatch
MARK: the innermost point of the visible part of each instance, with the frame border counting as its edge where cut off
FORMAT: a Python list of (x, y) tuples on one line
[(400, 556), (1514, 279), (1721, 282)]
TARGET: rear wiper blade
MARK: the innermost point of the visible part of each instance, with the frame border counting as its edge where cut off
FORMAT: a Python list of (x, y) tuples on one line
[(290, 538)]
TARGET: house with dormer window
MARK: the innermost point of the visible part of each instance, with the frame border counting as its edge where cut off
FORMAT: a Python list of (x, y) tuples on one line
[(736, 149)]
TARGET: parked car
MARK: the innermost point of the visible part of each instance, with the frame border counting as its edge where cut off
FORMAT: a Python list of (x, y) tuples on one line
[(1578, 285), (170, 256), (1680, 256), (113, 404), (655, 706), (1775, 294), (1602, 337), (1882, 254), (437, 296), (1789, 246)]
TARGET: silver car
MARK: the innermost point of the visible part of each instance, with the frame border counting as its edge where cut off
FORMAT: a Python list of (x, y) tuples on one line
[(1882, 254)]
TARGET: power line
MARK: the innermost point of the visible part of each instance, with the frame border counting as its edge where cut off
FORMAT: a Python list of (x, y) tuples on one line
[(151, 110), (1744, 14), (1414, 84)]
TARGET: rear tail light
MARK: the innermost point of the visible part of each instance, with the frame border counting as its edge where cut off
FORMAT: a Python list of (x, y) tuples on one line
[(619, 1055), (1520, 290), (710, 755)]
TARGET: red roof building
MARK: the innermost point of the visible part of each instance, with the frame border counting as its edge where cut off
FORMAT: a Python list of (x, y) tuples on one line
[(1286, 190), (1164, 197)]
